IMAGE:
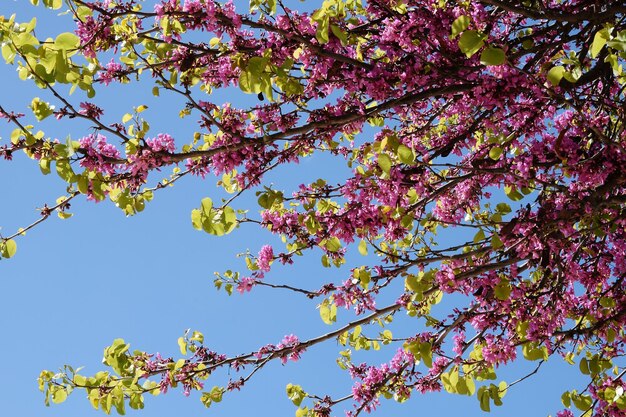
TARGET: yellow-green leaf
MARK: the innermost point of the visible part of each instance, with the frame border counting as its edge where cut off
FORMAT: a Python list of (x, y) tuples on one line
[(556, 74), (405, 154), (8, 248), (384, 162), (599, 40), (328, 312), (470, 42), (59, 396), (182, 345), (492, 56), (459, 25), (363, 247), (67, 41), (495, 152)]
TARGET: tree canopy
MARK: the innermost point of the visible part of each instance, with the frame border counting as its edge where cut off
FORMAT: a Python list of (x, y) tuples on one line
[(498, 124)]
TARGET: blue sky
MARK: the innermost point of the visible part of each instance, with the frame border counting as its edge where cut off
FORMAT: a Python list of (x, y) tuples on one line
[(76, 285)]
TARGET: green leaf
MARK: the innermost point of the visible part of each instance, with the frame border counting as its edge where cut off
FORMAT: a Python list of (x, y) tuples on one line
[(8, 53), (412, 283), (566, 399), (295, 394), (384, 162), (246, 81), (480, 235), (484, 398), (207, 206), (461, 387), (197, 336), (492, 56), (328, 312), (494, 393), (44, 166), (59, 395), (573, 75), (41, 109), (496, 243), (80, 380), (8, 248), (179, 364), (556, 74), (495, 152), (24, 40), (405, 154), (426, 353), (257, 65), (332, 245), (340, 34), (447, 384), (206, 399), (182, 345), (196, 219), (503, 290), (67, 41), (584, 366), (64, 170), (618, 44), (29, 27), (470, 384), (64, 215), (53, 4), (363, 247), (512, 193), (533, 352), (503, 208), (582, 402), (229, 219), (254, 79), (599, 40), (321, 34), (459, 25), (470, 42), (216, 394)]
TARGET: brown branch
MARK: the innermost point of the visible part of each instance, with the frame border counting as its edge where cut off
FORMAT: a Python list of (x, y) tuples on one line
[(547, 14), (44, 216)]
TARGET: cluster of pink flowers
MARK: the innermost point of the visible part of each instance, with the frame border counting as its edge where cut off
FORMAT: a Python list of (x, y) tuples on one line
[(162, 143), (290, 349), (292, 343), (365, 392), (100, 156), (94, 34), (245, 284), (90, 110), (112, 72), (372, 379), (351, 295), (265, 258)]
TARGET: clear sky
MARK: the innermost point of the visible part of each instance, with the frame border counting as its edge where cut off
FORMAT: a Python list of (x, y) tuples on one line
[(75, 285)]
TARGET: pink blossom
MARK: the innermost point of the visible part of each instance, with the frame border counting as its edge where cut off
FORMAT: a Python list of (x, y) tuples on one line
[(265, 258), (290, 341), (112, 71), (245, 284), (162, 143)]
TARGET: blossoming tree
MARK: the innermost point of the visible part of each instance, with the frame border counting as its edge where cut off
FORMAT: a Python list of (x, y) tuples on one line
[(499, 120)]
